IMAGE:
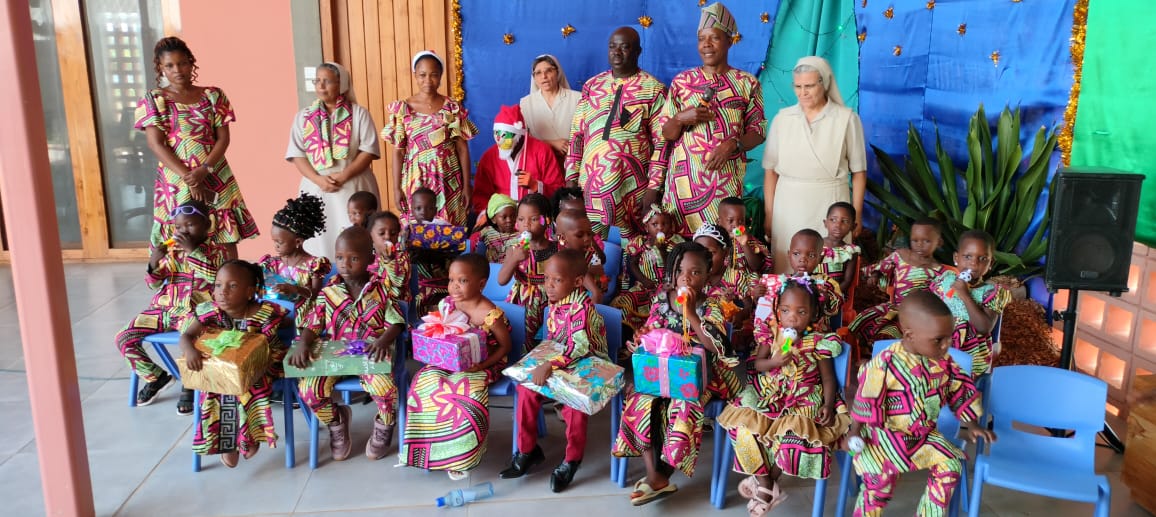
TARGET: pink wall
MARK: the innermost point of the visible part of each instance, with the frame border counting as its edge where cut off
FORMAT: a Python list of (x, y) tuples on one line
[(249, 54)]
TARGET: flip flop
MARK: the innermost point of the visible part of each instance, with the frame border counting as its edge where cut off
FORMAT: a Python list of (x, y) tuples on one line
[(650, 495)]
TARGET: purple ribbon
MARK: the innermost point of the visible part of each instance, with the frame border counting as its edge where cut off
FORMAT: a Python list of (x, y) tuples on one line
[(355, 347)]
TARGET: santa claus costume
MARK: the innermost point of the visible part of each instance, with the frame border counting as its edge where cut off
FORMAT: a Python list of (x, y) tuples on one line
[(516, 164)]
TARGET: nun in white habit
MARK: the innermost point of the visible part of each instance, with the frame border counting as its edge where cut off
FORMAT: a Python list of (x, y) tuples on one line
[(549, 108)]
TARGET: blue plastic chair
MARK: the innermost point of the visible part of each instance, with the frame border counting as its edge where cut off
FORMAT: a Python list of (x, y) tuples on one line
[(480, 249), (1041, 464), (504, 386), (493, 290), (613, 268), (160, 343), (725, 451), (615, 235)]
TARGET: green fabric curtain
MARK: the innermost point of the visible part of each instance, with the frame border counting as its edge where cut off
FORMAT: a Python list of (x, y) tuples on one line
[(824, 28), (1116, 113)]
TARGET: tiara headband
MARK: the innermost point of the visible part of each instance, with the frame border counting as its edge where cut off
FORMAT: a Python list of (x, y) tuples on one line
[(712, 231)]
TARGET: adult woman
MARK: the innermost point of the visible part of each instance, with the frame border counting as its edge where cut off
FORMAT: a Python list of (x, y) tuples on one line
[(549, 108), (429, 132), (332, 142), (187, 127), (811, 149)]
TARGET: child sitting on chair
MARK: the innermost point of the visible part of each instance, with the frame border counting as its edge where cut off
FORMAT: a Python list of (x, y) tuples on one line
[(241, 422), (839, 258), (806, 250), (354, 306), (575, 233), (749, 256), (645, 259), (390, 261), (431, 267), (890, 439), (498, 232), (299, 220), (437, 437), (975, 304), (575, 325), (183, 276), (526, 261)]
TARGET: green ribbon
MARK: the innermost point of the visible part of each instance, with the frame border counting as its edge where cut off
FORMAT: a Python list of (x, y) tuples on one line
[(226, 340)]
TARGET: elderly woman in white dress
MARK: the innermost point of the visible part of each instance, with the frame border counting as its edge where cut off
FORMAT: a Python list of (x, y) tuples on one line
[(549, 108), (812, 148), (332, 143)]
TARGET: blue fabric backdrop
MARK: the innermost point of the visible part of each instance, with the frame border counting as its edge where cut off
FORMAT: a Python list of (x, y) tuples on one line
[(497, 74)]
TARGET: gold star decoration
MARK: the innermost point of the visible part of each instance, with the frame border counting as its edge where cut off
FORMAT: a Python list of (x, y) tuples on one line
[(508, 38), (1017, 1), (765, 17), (864, 3), (736, 38), (930, 4), (994, 57), (645, 21), (568, 30), (889, 13), (897, 50), (962, 29), (862, 36), (701, 3)]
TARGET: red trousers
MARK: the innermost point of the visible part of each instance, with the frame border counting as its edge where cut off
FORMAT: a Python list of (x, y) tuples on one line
[(529, 404)]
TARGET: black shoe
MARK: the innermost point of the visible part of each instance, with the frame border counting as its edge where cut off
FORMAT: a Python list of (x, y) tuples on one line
[(562, 476), (522, 463), (149, 392)]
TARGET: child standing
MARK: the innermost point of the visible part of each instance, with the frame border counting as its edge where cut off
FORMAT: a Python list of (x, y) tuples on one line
[(577, 327), (361, 205), (390, 261), (354, 306), (183, 277), (675, 426), (976, 305), (840, 259), (431, 267), (236, 425), (498, 231), (300, 220), (645, 259), (574, 232), (449, 433), (526, 265), (903, 438)]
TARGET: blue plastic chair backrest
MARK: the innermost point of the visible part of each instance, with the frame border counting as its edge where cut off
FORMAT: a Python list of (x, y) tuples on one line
[(963, 359), (841, 366), (493, 290), (615, 235), (517, 316), (1051, 398), (613, 265), (329, 276), (480, 249), (613, 319)]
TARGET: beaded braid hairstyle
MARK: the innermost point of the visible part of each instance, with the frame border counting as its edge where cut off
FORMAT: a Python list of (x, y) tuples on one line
[(172, 44), (804, 284), (674, 259), (304, 216), (254, 271)]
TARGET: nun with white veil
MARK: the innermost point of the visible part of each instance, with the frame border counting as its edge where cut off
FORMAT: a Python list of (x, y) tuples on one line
[(814, 156), (332, 143), (549, 108)]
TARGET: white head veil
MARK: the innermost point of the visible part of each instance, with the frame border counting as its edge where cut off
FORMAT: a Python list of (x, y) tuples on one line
[(563, 84), (346, 88), (825, 74)]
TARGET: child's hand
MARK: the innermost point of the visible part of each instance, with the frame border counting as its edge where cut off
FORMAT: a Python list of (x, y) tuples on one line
[(377, 351), (742, 240), (286, 289), (158, 253), (300, 356), (826, 415), (759, 290), (540, 374), (517, 254), (961, 288), (184, 241), (974, 433), (193, 358)]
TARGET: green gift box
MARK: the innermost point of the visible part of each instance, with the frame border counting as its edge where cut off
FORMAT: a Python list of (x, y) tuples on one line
[(588, 384), (338, 358)]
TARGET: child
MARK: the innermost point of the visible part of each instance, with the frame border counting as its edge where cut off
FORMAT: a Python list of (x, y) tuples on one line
[(790, 416), (390, 261), (354, 306), (575, 325), (805, 251), (645, 258), (568, 198), (183, 277), (675, 426), (361, 204), (239, 423), (574, 232), (749, 256), (498, 231), (975, 304), (438, 433), (901, 438), (526, 265), (905, 271), (431, 267), (300, 220), (839, 258)]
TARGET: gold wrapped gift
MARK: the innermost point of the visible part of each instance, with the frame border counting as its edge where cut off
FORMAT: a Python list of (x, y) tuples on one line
[(234, 362)]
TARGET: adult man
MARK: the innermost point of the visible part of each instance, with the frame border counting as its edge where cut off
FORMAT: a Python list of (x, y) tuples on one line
[(516, 164)]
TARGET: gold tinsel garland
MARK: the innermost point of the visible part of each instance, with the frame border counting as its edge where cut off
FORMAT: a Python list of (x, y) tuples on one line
[(457, 89), (1079, 34)]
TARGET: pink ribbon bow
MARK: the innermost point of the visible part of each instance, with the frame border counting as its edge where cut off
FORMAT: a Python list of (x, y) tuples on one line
[(664, 343), (438, 325)]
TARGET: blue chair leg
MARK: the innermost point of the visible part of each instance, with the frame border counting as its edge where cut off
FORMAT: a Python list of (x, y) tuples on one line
[(133, 386), (541, 423), (196, 424), (514, 445), (615, 421), (846, 488), (720, 476), (288, 396), (976, 494), (345, 398), (820, 498)]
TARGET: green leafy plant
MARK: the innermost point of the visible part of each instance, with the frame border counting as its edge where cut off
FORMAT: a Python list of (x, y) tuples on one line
[(996, 195)]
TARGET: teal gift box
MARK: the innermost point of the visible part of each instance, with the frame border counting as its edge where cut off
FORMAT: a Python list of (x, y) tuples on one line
[(329, 361), (587, 385), (680, 377)]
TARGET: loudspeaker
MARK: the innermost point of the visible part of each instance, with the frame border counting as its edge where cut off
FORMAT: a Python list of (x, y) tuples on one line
[(1093, 224)]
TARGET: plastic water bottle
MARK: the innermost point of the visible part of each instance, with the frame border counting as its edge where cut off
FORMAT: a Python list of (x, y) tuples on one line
[(463, 496)]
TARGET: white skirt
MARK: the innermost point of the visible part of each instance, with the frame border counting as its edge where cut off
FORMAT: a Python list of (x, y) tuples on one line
[(336, 209), (801, 204)]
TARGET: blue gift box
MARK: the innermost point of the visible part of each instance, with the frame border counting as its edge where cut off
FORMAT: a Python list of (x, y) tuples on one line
[(680, 377)]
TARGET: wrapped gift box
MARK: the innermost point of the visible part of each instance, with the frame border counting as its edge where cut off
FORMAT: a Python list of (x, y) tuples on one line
[(337, 358), (586, 385), (438, 237), (232, 371), (675, 376), (455, 352)]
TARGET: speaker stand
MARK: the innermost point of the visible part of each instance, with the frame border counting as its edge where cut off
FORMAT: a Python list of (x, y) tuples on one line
[(1069, 318)]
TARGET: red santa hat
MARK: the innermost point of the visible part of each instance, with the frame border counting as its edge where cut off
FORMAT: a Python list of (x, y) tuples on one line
[(510, 119)]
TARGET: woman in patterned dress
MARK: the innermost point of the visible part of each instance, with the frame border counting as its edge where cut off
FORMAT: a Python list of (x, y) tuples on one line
[(429, 132), (187, 127), (447, 417)]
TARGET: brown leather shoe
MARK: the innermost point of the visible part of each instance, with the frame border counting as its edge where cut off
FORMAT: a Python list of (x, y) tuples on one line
[(339, 434), (379, 440)]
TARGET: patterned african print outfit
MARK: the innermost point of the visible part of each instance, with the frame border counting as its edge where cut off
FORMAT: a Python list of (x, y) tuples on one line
[(528, 289), (447, 416), (496, 243), (240, 423), (690, 192), (881, 321), (737, 260), (431, 158), (634, 302), (772, 421), (899, 399), (830, 298), (339, 315), (392, 270), (966, 337), (300, 275), (615, 144), (836, 261), (680, 431), (191, 131), (183, 280)]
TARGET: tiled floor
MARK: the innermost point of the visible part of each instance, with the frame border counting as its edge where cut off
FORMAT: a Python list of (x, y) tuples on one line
[(140, 458)]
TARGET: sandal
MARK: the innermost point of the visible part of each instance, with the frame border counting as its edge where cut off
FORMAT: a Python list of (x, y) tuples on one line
[(185, 403), (456, 475), (758, 506), (229, 459), (749, 487), (644, 494)]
